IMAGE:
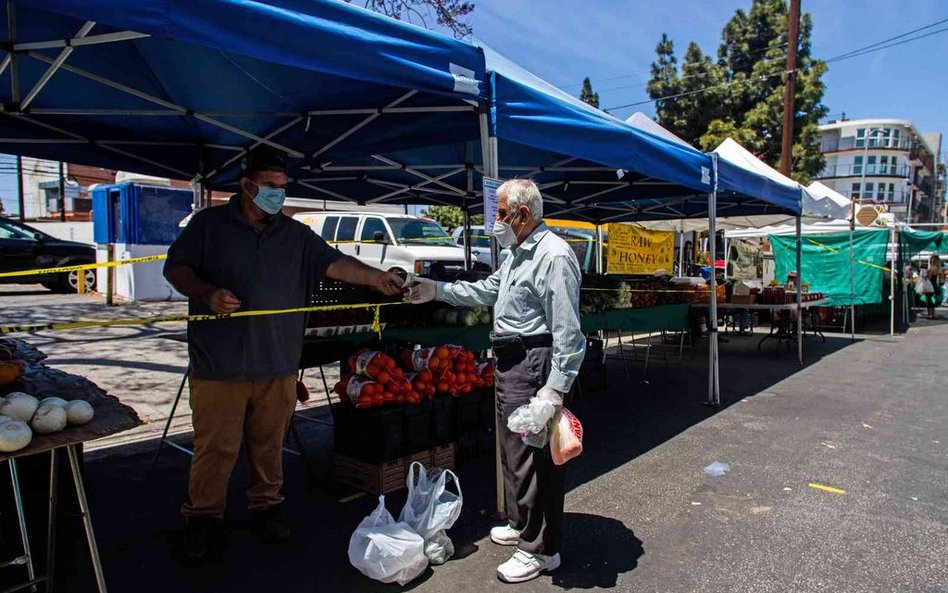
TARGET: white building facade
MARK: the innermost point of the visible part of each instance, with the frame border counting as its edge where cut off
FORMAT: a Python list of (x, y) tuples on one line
[(885, 161)]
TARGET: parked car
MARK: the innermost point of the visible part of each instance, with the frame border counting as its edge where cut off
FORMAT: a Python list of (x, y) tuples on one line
[(24, 248), (480, 244), (392, 242)]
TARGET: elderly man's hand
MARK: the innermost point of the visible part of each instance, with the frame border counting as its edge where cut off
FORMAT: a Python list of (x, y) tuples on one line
[(388, 284), (420, 290), (223, 302), (551, 395)]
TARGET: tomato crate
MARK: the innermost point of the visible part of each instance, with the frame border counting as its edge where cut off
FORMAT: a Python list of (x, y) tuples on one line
[(442, 429), (375, 478), (373, 434), (384, 477), (418, 425), (444, 456), (467, 413)]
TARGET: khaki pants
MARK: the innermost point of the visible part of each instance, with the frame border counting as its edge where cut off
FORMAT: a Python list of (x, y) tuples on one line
[(224, 413)]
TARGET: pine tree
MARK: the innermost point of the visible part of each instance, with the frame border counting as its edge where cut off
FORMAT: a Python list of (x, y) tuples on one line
[(665, 83), (587, 95), (745, 88)]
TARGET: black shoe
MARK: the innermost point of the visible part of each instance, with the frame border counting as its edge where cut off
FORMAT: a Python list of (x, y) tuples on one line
[(269, 524), (203, 540)]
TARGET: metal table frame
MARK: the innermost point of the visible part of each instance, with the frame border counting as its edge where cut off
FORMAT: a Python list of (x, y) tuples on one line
[(27, 557), (783, 329)]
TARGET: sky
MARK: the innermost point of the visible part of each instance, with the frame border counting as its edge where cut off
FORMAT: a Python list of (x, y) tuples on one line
[(613, 43)]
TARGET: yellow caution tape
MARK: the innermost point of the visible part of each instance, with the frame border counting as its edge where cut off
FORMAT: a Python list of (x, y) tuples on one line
[(826, 488), (376, 327), (76, 268), (858, 261)]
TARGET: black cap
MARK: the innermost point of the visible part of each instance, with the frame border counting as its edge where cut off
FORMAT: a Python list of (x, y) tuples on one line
[(264, 158)]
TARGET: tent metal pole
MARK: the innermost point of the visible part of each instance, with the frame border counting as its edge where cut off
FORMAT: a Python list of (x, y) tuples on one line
[(57, 63), (14, 65), (892, 270), (852, 274), (466, 235), (681, 249), (245, 151), (800, 288), (363, 123), (80, 41), (714, 388), (158, 101), (600, 264), (417, 173), (489, 155)]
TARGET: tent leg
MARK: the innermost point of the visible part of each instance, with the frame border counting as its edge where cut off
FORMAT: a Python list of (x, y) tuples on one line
[(892, 268), (491, 169), (714, 388), (799, 289)]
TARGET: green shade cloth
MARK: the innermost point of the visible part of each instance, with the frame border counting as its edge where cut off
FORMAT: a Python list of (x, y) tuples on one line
[(914, 242), (825, 262), (651, 319)]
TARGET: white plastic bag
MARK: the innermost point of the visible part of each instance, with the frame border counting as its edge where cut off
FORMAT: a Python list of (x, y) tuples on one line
[(387, 551), (924, 286), (530, 421), (431, 509)]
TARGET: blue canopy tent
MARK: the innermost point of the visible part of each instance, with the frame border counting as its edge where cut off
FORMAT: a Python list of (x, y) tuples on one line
[(183, 89)]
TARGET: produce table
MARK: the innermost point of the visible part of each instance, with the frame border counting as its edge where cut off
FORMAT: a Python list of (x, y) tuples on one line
[(477, 337), (649, 319), (785, 329), (111, 417)]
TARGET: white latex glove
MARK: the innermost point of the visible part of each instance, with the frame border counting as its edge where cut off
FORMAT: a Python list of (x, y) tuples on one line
[(550, 395), (420, 290)]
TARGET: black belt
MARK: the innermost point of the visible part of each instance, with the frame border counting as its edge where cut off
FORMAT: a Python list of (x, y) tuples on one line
[(537, 341), (510, 350)]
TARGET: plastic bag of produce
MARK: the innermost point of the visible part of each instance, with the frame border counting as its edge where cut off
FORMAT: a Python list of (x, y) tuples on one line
[(566, 437), (432, 509), (361, 392), (485, 374), (531, 421), (386, 550)]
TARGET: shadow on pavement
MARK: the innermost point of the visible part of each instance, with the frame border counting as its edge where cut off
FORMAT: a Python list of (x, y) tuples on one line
[(600, 549), (136, 512)]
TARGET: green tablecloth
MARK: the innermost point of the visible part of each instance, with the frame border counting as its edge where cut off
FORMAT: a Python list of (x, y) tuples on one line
[(650, 319), (477, 337)]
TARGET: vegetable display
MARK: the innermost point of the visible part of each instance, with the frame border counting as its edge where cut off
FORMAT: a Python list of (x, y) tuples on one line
[(375, 379)]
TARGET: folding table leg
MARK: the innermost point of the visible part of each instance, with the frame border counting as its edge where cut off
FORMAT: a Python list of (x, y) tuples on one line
[(625, 365), (21, 517), (86, 517), (51, 532), (174, 408)]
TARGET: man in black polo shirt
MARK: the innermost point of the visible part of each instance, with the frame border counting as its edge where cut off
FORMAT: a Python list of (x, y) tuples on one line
[(248, 256)]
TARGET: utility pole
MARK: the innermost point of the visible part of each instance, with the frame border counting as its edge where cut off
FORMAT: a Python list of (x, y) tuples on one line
[(19, 187), (793, 34), (62, 193)]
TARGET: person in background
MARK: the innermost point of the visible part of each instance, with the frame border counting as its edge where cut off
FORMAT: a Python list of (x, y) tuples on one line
[(934, 276), (538, 346), (791, 280), (244, 256)]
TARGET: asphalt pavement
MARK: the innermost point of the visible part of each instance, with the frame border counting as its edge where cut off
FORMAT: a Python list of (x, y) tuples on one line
[(838, 480)]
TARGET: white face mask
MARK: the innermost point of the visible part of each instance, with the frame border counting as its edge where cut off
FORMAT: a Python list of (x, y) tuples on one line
[(504, 234)]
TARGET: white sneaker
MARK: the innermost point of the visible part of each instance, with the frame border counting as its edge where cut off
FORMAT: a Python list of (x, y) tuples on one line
[(505, 535), (524, 566)]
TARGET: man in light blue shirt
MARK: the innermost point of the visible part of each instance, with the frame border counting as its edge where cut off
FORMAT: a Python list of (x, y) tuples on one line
[(538, 348)]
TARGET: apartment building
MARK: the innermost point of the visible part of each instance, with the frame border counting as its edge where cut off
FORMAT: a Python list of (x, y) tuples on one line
[(886, 161)]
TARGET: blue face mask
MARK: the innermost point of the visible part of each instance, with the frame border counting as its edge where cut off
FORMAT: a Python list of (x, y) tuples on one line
[(270, 199)]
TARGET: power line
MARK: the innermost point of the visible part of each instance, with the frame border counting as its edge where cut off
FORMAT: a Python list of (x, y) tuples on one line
[(877, 46), (701, 90), (649, 71), (878, 43), (890, 45)]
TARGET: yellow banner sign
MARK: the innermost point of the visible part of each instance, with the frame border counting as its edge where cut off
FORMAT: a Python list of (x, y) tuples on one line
[(634, 250)]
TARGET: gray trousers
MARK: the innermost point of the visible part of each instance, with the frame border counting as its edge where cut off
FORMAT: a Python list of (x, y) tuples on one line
[(533, 485)]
